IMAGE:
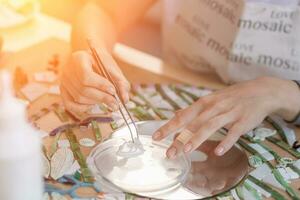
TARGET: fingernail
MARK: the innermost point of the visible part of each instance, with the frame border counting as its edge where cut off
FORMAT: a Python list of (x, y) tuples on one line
[(219, 151), (172, 152), (156, 135), (188, 147)]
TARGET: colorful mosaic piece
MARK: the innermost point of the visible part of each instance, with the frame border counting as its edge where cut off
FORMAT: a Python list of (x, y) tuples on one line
[(159, 102), (85, 172), (96, 130), (61, 162)]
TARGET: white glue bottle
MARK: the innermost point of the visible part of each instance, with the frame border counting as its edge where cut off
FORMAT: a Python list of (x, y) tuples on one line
[(20, 149)]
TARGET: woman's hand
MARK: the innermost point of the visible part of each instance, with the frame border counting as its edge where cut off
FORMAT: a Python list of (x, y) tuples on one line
[(239, 108), (82, 87), (100, 22)]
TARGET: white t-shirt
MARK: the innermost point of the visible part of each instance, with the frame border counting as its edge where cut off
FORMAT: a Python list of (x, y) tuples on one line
[(238, 40)]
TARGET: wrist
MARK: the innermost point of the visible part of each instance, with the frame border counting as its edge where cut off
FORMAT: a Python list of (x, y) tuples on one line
[(289, 96)]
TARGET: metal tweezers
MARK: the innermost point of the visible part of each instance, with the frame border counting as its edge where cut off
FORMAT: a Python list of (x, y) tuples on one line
[(102, 70)]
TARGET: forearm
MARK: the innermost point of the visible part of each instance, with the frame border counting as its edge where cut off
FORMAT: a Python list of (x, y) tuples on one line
[(103, 20), (93, 23)]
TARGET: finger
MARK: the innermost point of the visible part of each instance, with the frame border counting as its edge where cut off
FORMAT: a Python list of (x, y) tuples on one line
[(98, 82), (174, 150), (209, 113), (70, 105), (110, 64), (208, 129), (100, 97), (87, 95), (75, 94), (228, 126), (87, 77), (186, 135), (180, 119), (124, 88), (178, 143), (239, 128), (175, 136), (188, 115), (122, 84)]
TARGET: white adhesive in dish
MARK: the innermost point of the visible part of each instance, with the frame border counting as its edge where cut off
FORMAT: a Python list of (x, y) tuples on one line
[(130, 149)]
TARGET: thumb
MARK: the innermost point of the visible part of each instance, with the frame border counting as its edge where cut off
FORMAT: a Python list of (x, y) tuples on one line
[(122, 84)]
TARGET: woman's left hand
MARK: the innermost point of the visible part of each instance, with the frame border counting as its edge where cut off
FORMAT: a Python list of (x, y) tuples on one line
[(239, 108)]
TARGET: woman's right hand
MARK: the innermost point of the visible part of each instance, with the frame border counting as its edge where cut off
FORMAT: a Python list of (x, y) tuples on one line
[(81, 87)]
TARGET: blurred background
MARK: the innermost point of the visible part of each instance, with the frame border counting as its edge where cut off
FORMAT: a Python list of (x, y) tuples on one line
[(19, 18)]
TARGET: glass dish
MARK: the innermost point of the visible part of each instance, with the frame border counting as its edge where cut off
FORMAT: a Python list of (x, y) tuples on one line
[(148, 172), (208, 175)]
